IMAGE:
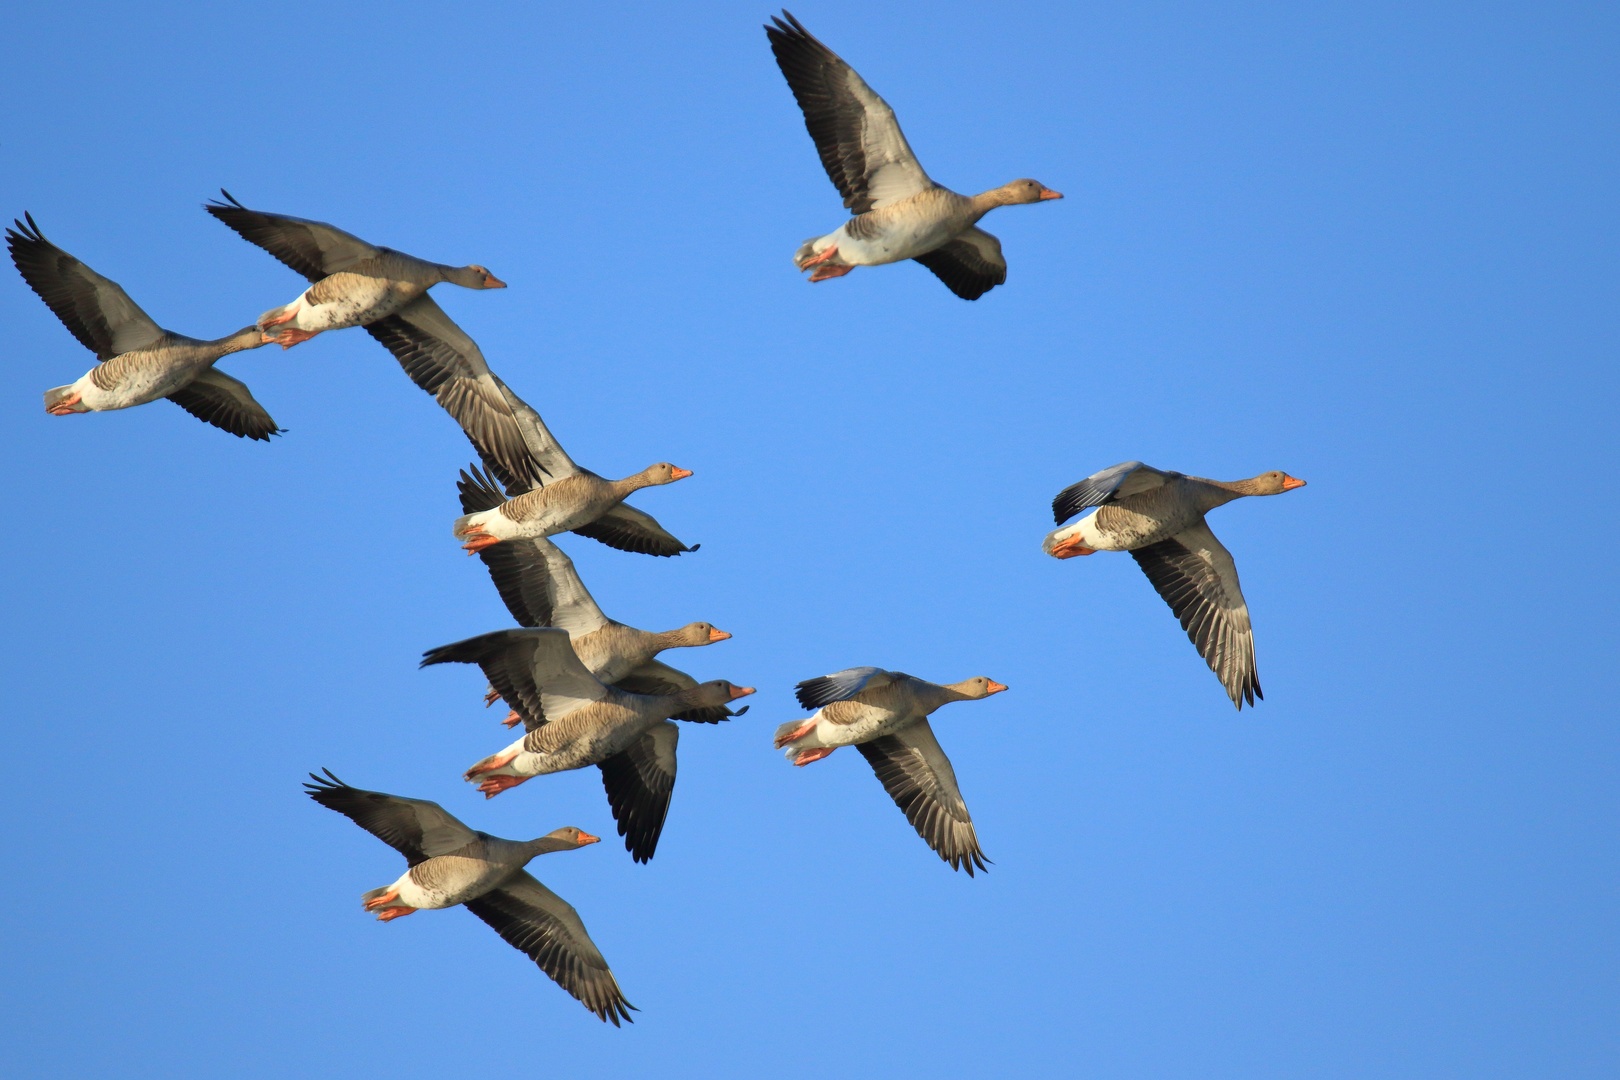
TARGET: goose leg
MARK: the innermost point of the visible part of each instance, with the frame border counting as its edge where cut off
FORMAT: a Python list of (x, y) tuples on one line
[(65, 406), (827, 272), (831, 252), (288, 314), (381, 901), (1071, 547), (494, 785), (797, 733), (478, 540), (491, 763), (807, 756), (492, 697), (393, 913), (290, 337), (512, 719)]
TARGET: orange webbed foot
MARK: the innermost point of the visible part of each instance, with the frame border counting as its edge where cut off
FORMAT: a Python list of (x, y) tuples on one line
[(494, 785), (512, 719), (797, 733), (826, 273), (390, 914), (807, 756)]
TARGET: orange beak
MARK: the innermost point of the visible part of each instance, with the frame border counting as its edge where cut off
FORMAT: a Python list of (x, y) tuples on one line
[(996, 688), (717, 635), (740, 691), (587, 838), (1292, 482), (679, 473), (493, 282), (1048, 193), (1071, 547)]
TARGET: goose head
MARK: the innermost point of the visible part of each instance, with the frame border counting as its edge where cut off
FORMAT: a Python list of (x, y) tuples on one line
[(474, 277), (249, 337), (977, 688), (717, 692), (1024, 191), (1274, 482), (663, 473), (698, 633)]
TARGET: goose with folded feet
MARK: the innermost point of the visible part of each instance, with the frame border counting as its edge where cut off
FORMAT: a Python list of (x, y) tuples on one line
[(355, 283), (572, 719), (885, 714), (899, 212), (542, 589), (139, 360), (1158, 516), (575, 500), (449, 864)]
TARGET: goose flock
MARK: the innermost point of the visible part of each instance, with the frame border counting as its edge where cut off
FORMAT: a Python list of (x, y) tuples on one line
[(586, 689)]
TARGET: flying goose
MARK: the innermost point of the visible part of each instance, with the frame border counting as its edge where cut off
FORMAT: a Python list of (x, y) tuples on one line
[(355, 283), (450, 864), (571, 499), (140, 361), (1159, 518), (572, 720), (884, 714), (899, 212)]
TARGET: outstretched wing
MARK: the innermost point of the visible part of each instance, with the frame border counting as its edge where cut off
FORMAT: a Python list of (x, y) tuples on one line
[(656, 678), (1112, 484), (919, 778), (417, 829), (840, 686), (640, 781), (506, 658), (440, 358), (311, 248), (970, 266), (1195, 574), (215, 398), (95, 310), (544, 927), (628, 529), (861, 146)]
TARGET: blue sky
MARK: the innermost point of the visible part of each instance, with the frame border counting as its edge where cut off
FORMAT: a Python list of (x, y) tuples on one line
[(1371, 244)]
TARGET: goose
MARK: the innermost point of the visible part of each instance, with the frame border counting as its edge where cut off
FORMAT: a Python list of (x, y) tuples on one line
[(571, 720), (541, 588), (139, 360), (450, 864), (571, 500), (899, 213), (355, 283), (1158, 516), (885, 714)]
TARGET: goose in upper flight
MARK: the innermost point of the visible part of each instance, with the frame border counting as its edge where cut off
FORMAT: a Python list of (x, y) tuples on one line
[(884, 714), (1159, 518), (450, 864), (140, 361), (355, 283), (572, 720), (899, 212)]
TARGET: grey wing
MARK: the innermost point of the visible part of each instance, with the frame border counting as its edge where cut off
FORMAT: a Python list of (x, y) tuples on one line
[(839, 686), (506, 658), (95, 310), (1112, 484), (417, 829), (640, 780), (566, 684), (572, 606), (544, 451), (216, 398), (919, 778), (544, 927), (1196, 576), (440, 358), (970, 265), (517, 567), (657, 678), (861, 146), (311, 248), (628, 529)]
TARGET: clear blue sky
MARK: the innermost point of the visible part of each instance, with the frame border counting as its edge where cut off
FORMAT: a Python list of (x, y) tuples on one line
[(1372, 244)]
